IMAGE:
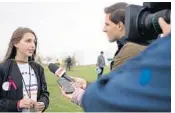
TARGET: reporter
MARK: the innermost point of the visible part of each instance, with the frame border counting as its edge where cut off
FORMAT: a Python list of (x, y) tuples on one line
[(148, 89), (22, 81), (166, 29)]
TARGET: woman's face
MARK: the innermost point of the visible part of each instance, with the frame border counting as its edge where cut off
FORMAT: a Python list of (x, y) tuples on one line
[(26, 46)]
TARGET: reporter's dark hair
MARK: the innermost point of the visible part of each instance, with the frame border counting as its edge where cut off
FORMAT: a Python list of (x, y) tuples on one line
[(112, 8), (118, 16)]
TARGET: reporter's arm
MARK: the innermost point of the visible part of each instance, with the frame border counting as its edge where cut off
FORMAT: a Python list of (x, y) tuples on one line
[(77, 96)]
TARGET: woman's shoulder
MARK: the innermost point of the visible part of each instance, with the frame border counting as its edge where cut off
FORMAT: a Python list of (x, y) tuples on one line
[(1, 68), (2, 63), (5, 64)]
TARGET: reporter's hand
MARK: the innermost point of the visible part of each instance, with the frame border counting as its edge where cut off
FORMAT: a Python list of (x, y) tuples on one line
[(39, 106), (75, 96), (26, 103), (79, 83), (69, 96), (166, 28)]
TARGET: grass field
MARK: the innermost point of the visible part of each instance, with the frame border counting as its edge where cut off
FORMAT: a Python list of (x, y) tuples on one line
[(58, 103)]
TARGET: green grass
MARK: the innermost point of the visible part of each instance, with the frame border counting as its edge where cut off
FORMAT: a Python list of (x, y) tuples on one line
[(58, 103)]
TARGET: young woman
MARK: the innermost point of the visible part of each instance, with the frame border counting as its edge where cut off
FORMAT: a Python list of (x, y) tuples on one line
[(22, 81)]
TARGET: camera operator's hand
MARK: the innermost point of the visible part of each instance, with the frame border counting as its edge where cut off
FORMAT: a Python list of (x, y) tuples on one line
[(79, 83), (166, 28)]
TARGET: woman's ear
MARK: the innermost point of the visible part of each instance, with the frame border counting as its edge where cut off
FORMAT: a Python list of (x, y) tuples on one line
[(16, 45)]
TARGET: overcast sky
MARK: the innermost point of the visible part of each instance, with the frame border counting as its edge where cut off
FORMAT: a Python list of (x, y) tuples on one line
[(62, 28)]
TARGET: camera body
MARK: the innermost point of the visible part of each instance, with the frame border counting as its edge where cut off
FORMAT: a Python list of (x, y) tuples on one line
[(141, 22)]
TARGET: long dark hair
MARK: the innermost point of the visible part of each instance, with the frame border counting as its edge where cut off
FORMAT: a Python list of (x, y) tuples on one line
[(16, 37)]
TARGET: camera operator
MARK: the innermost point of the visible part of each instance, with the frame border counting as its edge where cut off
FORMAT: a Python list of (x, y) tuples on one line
[(115, 30), (148, 89)]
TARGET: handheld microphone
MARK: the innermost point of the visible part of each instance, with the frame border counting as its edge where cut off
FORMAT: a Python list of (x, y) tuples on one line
[(59, 72)]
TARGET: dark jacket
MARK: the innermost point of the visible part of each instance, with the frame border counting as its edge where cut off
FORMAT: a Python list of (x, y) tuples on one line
[(9, 99)]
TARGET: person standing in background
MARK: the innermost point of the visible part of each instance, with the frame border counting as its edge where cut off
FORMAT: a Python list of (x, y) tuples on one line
[(68, 63), (100, 64)]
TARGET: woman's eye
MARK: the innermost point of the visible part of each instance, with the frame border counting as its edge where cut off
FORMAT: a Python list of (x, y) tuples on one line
[(28, 41)]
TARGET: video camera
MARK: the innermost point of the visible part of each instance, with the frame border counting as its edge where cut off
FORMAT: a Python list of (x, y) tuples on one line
[(141, 22)]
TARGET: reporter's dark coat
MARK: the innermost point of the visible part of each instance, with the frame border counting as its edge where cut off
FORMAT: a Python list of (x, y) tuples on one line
[(9, 99)]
